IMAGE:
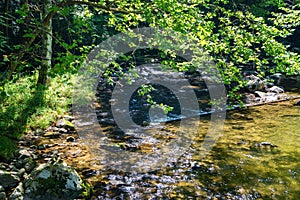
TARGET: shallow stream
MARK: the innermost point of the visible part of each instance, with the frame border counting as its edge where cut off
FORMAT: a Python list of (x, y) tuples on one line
[(257, 157)]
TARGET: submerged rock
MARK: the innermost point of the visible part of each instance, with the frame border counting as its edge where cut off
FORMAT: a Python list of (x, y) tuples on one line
[(297, 103), (70, 139), (53, 180)]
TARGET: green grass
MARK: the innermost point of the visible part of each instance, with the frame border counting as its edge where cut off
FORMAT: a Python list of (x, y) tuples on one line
[(25, 107)]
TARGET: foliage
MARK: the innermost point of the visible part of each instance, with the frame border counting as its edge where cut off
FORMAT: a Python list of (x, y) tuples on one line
[(25, 107), (236, 33), (239, 36)]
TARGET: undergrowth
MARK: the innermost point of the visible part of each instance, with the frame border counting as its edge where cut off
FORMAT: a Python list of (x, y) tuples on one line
[(25, 106)]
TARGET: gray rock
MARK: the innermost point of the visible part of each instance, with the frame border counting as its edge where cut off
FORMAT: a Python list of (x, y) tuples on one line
[(54, 128), (2, 196), (63, 130), (249, 72), (2, 188), (17, 193), (53, 180), (24, 153), (30, 164), (2, 166), (277, 78), (33, 147), (9, 179), (26, 160), (254, 83), (52, 135), (38, 132), (22, 172), (70, 139), (69, 118), (261, 94), (41, 147), (275, 89), (249, 98), (267, 96), (65, 124)]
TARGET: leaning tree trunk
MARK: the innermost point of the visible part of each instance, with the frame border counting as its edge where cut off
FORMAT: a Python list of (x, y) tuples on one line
[(46, 46)]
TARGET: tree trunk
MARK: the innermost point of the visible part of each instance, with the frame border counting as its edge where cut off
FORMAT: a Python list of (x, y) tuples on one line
[(46, 46)]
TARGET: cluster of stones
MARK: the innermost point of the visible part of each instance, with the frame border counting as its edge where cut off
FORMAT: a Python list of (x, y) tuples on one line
[(24, 178), (264, 90)]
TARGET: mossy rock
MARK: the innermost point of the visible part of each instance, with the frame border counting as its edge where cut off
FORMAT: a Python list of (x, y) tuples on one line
[(65, 124), (55, 180)]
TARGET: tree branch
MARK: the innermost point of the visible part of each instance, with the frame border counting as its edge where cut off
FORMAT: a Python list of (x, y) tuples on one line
[(97, 5)]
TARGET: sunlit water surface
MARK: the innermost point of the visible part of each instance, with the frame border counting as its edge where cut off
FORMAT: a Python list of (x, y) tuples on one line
[(257, 157)]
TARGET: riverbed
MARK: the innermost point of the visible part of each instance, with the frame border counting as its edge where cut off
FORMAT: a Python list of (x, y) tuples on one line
[(257, 157)]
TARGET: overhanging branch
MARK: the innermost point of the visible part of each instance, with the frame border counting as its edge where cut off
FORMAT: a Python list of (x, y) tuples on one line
[(97, 5)]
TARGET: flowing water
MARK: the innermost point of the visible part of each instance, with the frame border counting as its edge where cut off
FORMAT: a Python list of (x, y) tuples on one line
[(257, 157)]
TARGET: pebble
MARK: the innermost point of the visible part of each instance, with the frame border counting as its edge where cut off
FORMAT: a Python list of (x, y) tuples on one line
[(52, 135), (89, 173), (70, 139), (33, 147), (41, 147), (63, 130), (238, 127)]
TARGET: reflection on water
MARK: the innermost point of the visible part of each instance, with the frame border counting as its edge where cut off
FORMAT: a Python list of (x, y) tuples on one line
[(258, 157)]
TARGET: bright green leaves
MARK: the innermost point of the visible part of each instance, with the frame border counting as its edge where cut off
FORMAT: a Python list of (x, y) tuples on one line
[(288, 19), (145, 90), (237, 34), (237, 37), (23, 11)]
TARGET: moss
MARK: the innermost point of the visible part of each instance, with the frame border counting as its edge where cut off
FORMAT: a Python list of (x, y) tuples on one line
[(87, 190), (55, 180)]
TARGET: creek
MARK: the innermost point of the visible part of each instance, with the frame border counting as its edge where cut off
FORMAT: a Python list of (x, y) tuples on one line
[(257, 157)]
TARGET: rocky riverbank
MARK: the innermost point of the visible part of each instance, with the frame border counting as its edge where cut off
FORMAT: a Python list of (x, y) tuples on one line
[(43, 166), (259, 91)]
